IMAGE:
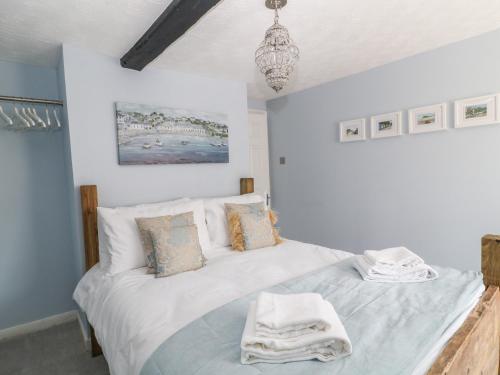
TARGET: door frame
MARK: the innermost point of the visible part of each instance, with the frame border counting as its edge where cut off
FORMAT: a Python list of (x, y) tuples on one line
[(261, 112)]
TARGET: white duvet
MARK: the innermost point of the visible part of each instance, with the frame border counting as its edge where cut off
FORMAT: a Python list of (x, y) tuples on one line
[(133, 312)]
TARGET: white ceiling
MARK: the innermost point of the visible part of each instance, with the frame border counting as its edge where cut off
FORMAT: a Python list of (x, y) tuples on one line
[(336, 37)]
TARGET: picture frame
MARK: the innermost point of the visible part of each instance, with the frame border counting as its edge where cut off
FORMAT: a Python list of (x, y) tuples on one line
[(352, 130), (427, 119), (478, 111), (386, 125), (152, 134)]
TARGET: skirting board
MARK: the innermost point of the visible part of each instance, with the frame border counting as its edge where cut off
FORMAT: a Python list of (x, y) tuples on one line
[(39, 325)]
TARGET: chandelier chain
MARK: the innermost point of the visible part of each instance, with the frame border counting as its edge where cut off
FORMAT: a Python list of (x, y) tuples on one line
[(276, 16)]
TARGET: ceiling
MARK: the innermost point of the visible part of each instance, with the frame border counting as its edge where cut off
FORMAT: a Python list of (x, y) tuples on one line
[(336, 37)]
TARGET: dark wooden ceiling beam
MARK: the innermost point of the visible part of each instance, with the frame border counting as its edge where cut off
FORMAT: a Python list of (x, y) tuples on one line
[(178, 18)]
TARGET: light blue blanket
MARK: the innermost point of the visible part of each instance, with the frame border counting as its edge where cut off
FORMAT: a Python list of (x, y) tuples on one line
[(391, 326)]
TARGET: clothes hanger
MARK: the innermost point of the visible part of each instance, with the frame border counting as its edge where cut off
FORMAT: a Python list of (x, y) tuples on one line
[(47, 116), (6, 118), (57, 119), (28, 118), (31, 116), (21, 118), (37, 118)]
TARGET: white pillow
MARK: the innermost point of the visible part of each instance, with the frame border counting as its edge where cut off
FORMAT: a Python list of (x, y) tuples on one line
[(104, 252), (122, 234), (216, 217), (153, 206)]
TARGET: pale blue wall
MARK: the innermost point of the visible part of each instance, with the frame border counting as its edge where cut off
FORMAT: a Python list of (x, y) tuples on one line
[(437, 193), (37, 271), (91, 93)]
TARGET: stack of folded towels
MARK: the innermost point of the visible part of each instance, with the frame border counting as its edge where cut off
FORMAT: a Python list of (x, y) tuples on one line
[(396, 264), (294, 327)]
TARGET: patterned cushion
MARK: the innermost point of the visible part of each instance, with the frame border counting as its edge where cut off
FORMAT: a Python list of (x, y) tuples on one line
[(244, 208), (154, 224), (257, 230), (177, 249), (233, 210), (257, 222)]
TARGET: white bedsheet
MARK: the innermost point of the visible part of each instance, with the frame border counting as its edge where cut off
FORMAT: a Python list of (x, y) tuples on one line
[(133, 312)]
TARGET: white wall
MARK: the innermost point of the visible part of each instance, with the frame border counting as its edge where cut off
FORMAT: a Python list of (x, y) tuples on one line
[(93, 83), (257, 104), (436, 193)]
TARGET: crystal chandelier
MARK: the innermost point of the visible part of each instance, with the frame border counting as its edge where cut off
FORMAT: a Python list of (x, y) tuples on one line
[(277, 54)]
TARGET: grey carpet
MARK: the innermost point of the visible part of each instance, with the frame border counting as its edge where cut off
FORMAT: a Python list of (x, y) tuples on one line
[(56, 351)]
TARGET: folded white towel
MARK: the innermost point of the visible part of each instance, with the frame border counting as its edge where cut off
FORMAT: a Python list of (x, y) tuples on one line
[(386, 269), (327, 345), (394, 256), (291, 315), (415, 273)]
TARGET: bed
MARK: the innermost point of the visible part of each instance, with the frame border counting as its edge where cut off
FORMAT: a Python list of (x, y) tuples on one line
[(135, 317)]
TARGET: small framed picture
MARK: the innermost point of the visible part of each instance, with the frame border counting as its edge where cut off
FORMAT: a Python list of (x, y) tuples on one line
[(427, 119), (483, 110), (386, 125), (353, 130)]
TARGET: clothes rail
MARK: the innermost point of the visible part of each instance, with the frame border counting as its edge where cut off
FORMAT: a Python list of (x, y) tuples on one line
[(30, 100)]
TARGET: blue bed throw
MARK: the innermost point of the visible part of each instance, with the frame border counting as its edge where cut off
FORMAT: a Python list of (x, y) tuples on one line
[(392, 326)]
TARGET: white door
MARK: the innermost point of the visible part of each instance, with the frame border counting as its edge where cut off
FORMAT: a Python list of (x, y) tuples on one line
[(259, 153)]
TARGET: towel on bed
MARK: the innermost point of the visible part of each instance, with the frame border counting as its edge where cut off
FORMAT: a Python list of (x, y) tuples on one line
[(394, 257), (327, 345), (393, 265), (291, 315)]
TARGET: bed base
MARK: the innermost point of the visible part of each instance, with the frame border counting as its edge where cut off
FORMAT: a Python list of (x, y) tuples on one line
[(473, 350)]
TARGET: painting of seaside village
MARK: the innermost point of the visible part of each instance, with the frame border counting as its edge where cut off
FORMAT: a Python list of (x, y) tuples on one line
[(159, 135)]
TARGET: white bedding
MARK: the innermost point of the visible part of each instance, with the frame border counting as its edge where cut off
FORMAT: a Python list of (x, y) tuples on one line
[(133, 312)]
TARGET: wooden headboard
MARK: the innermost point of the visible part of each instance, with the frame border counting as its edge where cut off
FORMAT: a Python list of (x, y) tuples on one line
[(88, 196)]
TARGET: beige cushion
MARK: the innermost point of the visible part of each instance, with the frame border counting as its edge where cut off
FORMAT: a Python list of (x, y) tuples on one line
[(154, 224), (254, 232), (232, 212), (177, 249), (257, 230)]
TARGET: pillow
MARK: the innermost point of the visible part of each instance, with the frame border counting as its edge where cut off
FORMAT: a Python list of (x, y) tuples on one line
[(216, 217), (157, 223), (122, 234), (257, 230), (176, 250), (232, 208), (104, 252), (153, 206), (252, 226)]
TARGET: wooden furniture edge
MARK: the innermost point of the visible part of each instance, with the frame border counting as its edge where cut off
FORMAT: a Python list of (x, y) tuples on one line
[(246, 185), (89, 202), (474, 348)]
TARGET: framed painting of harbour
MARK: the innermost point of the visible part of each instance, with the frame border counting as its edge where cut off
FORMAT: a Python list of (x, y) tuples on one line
[(483, 110), (159, 135)]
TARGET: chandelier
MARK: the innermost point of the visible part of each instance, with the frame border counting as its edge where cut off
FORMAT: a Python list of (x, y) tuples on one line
[(277, 54)]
